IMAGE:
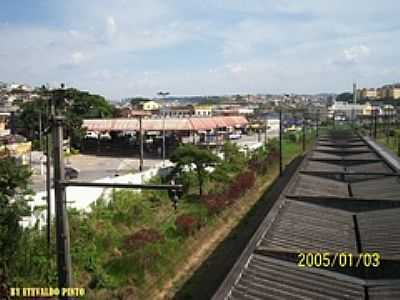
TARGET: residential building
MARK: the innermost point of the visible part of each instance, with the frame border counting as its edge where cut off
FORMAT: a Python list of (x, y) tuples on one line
[(203, 110), (367, 93), (150, 105), (348, 110), (15, 146), (394, 93), (391, 91), (128, 112), (3, 121), (179, 111)]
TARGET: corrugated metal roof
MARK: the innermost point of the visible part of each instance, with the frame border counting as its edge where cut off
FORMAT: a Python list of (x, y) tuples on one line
[(381, 188), (170, 124), (318, 166), (319, 214), (309, 185), (380, 232), (268, 278), (304, 227), (389, 292)]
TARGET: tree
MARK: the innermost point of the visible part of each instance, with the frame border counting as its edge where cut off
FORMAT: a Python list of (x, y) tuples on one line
[(82, 105), (234, 161), (345, 97), (28, 119), (190, 155), (138, 100), (14, 189)]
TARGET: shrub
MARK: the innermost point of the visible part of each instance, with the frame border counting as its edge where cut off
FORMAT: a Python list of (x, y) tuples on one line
[(215, 203), (187, 224), (242, 183), (141, 238), (292, 137)]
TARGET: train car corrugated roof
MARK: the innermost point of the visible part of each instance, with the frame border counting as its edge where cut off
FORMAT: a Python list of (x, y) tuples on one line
[(317, 213), (304, 227)]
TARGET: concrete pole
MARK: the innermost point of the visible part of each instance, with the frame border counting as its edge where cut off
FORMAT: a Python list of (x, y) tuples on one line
[(48, 190), (280, 143), (304, 134), (40, 132), (266, 132), (163, 141), (375, 113), (51, 112), (62, 226), (141, 144)]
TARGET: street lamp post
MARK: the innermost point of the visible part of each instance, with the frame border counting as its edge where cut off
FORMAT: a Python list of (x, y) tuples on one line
[(304, 134), (163, 95), (141, 144), (375, 113), (266, 132)]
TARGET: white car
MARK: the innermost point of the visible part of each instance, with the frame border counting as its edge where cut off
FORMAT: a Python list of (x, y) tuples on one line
[(105, 136), (91, 135), (234, 136)]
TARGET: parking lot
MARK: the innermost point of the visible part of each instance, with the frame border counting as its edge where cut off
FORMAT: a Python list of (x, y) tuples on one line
[(93, 167)]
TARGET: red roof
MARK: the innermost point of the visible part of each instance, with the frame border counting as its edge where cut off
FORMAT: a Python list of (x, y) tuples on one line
[(170, 124)]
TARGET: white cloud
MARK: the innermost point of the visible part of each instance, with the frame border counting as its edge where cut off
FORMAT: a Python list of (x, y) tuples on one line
[(77, 58), (111, 25), (356, 53), (235, 68)]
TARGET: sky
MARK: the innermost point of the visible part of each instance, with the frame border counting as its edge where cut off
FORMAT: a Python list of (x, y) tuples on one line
[(127, 48)]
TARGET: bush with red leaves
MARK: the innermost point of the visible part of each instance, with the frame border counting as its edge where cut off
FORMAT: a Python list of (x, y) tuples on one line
[(187, 224), (141, 238), (216, 203), (241, 184)]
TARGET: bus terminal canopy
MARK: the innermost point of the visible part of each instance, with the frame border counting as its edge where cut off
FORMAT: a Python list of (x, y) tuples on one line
[(188, 124)]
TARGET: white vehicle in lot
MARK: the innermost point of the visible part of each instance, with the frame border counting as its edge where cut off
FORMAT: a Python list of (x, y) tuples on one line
[(91, 135), (234, 136), (105, 136)]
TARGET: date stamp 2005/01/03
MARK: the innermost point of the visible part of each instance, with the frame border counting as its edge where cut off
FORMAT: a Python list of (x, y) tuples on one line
[(340, 259)]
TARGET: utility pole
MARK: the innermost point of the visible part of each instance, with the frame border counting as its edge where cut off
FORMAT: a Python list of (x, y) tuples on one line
[(304, 134), (266, 132), (370, 123), (50, 114), (40, 132), (141, 144), (62, 226), (163, 95), (48, 189), (163, 141), (280, 142), (375, 113), (317, 130)]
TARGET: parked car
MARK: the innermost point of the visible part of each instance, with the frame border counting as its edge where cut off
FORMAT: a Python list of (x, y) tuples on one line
[(234, 136), (71, 173), (105, 136), (91, 135)]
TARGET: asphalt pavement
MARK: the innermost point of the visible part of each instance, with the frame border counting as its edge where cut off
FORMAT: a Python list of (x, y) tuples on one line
[(92, 167)]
